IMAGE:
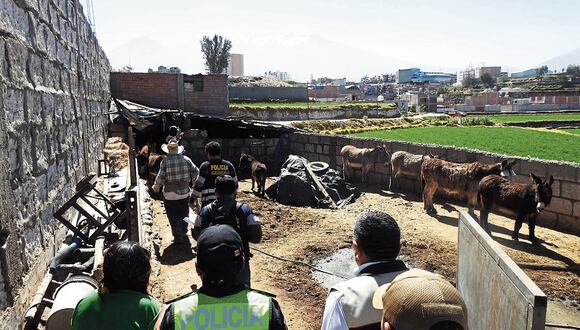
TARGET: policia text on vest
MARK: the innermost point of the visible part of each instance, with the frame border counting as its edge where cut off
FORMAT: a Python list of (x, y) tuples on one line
[(244, 310)]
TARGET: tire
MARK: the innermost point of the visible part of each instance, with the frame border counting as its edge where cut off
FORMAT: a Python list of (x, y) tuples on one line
[(318, 167)]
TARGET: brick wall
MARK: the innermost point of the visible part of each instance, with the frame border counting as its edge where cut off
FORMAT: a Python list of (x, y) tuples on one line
[(166, 91), (213, 100), (54, 91), (563, 213), (157, 90)]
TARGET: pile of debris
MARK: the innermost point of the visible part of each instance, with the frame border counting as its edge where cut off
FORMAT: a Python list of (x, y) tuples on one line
[(306, 184), (263, 81)]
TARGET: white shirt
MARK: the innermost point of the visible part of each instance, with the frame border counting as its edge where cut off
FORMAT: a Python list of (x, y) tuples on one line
[(333, 317)]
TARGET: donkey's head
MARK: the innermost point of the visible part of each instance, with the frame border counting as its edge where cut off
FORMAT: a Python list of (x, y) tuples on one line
[(506, 168), (542, 191)]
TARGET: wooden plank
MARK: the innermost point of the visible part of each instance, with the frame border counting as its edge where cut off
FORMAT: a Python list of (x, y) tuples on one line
[(319, 185), (99, 258)]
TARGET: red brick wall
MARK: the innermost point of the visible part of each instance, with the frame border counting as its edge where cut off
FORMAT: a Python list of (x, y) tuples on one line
[(213, 100), (161, 90), (158, 90)]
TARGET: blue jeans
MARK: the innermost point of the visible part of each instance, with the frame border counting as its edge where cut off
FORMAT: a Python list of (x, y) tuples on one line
[(177, 210)]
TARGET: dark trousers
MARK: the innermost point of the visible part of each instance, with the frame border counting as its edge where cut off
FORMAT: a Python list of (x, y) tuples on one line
[(177, 210), (245, 274)]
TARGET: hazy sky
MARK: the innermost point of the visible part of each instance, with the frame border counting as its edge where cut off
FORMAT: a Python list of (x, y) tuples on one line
[(339, 38)]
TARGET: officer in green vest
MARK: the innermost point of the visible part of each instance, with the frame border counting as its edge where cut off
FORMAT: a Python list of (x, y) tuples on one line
[(223, 301)]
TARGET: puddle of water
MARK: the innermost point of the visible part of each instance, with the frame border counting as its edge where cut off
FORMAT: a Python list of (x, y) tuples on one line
[(341, 263)]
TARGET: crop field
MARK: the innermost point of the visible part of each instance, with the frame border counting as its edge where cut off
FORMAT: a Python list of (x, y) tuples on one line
[(313, 105), (533, 117), (543, 144)]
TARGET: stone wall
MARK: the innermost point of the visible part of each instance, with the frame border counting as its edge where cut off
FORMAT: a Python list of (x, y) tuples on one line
[(54, 92), (289, 114), (563, 213), (296, 94)]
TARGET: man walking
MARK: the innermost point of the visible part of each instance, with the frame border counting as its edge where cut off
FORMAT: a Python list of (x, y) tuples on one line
[(176, 174), (209, 170), (222, 302), (376, 243), (225, 210)]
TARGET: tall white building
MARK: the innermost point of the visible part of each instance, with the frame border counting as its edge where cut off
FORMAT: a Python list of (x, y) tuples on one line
[(235, 65)]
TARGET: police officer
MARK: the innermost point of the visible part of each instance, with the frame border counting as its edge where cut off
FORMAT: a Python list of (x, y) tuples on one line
[(209, 170), (222, 302), (225, 210)]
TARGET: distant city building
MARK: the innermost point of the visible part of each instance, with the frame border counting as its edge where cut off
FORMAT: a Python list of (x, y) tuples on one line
[(164, 69), (235, 65), (415, 75), (284, 76), (493, 71)]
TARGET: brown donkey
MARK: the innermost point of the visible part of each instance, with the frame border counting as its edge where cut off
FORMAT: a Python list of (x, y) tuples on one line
[(520, 201), (258, 171), (457, 178)]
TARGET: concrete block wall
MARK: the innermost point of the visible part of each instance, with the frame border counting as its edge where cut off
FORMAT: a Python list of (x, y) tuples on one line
[(563, 213), (54, 93), (270, 151)]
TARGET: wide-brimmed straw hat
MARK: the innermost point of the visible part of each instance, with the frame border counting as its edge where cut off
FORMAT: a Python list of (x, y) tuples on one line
[(417, 300), (172, 147)]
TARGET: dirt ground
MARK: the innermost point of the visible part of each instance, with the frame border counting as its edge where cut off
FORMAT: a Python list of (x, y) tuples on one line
[(309, 234)]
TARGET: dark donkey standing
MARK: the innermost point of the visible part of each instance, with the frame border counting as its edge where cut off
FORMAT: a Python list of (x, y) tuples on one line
[(258, 171), (457, 178), (149, 163), (522, 201)]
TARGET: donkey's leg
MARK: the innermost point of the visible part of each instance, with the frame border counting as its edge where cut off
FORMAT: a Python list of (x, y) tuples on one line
[(428, 192), (532, 228), (253, 180), (517, 227)]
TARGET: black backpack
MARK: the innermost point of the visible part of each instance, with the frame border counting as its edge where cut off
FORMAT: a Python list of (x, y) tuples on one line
[(236, 218)]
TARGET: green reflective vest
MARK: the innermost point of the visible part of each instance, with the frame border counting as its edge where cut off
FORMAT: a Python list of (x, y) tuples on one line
[(245, 310)]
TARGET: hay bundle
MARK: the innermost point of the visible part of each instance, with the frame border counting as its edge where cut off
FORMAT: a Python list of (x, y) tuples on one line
[(117, 152)]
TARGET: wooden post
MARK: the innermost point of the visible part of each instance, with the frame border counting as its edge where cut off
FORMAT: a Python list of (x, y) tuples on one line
[(99, 258), (132, 164), (319, 185)]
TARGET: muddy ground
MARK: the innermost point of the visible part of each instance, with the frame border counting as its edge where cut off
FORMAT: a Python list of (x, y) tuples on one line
[(309, 234)]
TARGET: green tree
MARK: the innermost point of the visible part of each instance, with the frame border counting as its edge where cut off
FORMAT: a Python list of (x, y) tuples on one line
[(573, 69), (541, 71), (487, 80), (216, 52)]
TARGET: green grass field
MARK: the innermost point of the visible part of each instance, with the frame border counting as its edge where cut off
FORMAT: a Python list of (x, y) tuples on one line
[(505, 140), (532, 117), (313, 105)]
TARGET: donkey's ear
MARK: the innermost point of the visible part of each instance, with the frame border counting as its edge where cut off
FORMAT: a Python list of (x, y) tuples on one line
[(535, 179), (242, 154), (550, 180), (513, 162), (504, 163)]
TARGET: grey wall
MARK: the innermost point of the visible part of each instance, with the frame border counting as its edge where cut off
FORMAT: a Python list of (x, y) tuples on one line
[(54, 91), (269, 93), (287, 114), (563, 213), (502, 296)]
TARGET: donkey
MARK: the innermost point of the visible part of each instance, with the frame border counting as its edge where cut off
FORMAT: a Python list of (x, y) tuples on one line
[(355, 158), (149, 163), (407, 165), (258, 171), (518, 200), (458, 178)]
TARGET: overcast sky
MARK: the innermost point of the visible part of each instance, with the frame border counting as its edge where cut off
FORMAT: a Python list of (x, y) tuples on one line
[(339, 38)]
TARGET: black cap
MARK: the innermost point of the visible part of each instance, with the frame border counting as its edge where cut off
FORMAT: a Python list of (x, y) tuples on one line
[(225, 185), (219, 245)]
